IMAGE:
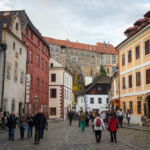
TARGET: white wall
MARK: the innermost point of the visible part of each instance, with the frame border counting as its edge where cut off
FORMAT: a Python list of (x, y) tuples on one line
[(88, 80), (96, 105), (80, 103)]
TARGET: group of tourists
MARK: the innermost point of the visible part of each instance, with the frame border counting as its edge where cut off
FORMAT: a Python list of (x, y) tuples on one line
[(109, 121), (26, 123)]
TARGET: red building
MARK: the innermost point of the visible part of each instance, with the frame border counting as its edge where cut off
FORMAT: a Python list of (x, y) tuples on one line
[(37, 94)]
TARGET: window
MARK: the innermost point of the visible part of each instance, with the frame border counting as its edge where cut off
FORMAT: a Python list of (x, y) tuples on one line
[(74, 59), (137, 51), (148, 76), (114, 69), (42, 86), (52, 65), (107, 70), (38, 60), (45, 87), (37, 84), (31, 36), (130, 81), (17, 26), (67, 95), (53, 111), (14, 46), (113, 59), (13, 106), (46, 66), (129, 56), (99, 100), (92, 100), (8, 71), (26, 32), (124, 107), (123, 60), (31, 56), (147, 47), (107, 100), (20, 51), (22, 77), (16, 72), (131, 107), (42, 64), (139, 107), (53, 93), (123, 83), (53, 77), (138, 79)]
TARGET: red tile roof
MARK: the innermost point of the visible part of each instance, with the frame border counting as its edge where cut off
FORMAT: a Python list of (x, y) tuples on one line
[(99, 47), (140, 21)]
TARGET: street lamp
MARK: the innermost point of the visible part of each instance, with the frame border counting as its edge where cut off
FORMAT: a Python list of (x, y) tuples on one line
[(3, 47), (35, 103)]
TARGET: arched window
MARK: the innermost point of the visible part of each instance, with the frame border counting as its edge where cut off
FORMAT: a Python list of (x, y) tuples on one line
[(17, 26)]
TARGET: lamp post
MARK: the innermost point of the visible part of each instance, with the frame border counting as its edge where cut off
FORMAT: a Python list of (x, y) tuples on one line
[(3, 47), (35, 103)]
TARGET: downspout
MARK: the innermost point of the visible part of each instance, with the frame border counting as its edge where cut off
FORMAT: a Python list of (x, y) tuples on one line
[(4, 47), (119, 78)]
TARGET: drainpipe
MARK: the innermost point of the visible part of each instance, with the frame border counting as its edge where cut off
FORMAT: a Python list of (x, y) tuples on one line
[(4, 47), (119, 78)]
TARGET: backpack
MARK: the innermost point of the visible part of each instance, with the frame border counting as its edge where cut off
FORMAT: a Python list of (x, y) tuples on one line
[(98, 122)]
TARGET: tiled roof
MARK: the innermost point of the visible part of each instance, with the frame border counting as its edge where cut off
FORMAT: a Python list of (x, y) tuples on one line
[(130, 29), (140, 21), (99, 47), (24, 22), (147, 22)]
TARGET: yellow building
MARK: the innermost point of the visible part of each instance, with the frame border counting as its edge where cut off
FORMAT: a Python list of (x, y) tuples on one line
[(134, 58)]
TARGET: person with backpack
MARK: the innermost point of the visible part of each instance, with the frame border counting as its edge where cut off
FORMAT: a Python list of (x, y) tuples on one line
[(82, 120), (113, 125), (98, 125)]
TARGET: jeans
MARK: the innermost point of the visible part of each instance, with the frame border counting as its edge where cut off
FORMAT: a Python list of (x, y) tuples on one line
[(22, 132), (120, 120), (30, 131), (11, 134), (113, 136), (42, 133), (128, 119), (37, 134), (98, 135)]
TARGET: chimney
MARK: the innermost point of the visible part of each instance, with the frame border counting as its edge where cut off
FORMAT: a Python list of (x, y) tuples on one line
[(105, 45)]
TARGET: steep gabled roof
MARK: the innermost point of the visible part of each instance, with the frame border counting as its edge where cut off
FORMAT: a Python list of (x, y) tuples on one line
[(25, 21), (99, 47)]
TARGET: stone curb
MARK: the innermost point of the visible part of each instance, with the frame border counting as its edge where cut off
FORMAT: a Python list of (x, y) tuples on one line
[(148, 130)]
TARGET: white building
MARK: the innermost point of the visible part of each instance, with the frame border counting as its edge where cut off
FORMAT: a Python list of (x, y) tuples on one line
[(15, 65), (95, 96), (60, 101)]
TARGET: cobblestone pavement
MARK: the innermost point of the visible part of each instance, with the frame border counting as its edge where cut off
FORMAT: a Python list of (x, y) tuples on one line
[(61, 136)]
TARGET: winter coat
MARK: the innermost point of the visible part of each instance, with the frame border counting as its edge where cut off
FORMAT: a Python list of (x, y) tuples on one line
[(100, 127), (22, 122), (82, 117), (37, 120), (11, 121), (112, 124), (30, 121)]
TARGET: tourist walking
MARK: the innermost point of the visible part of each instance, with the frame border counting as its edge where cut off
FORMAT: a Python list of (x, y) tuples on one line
[(87, 116), (22, 125), (30, 125), (70, 115), (38, 126), (113, 126), (120, 117), (128, 116), (98, 125), (11, 123), (82, 120)]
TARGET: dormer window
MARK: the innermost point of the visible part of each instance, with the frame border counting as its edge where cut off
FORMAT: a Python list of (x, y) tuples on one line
[(17, 26)]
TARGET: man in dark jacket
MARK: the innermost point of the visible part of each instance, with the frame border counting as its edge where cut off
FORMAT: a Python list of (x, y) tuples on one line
[(70, 115), (11, 123), (38, 118)]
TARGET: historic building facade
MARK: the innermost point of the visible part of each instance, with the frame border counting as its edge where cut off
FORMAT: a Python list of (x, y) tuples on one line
[(84, 58), (38, 55), (13, 65), (134, 56), (60, 88)]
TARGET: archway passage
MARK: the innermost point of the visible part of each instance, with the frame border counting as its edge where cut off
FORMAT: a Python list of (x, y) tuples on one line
[(147, 106)]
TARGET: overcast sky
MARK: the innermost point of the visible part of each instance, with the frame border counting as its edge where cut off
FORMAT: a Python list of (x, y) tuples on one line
[(85, 21)]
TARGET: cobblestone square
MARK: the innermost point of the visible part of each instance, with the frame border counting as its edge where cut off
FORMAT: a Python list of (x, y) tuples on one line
[(61, 136)]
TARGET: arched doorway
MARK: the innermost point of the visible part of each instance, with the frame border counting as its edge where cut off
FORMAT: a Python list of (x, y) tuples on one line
[(147, 105)]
